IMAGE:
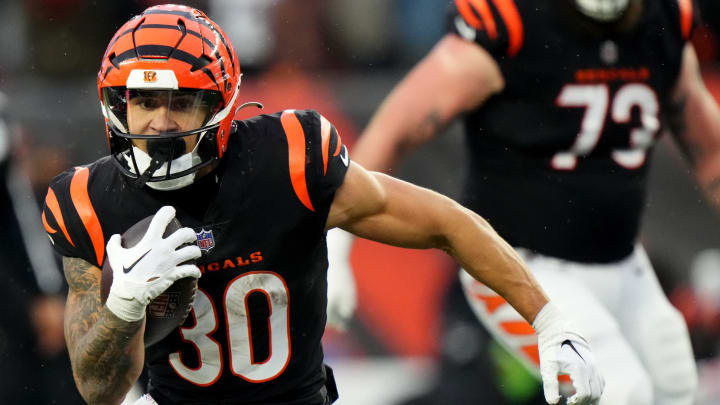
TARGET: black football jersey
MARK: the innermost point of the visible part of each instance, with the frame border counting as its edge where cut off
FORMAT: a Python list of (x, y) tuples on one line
[(559, 159), (254, 333)]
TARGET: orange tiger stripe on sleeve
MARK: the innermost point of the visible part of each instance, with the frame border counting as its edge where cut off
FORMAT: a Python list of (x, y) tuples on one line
[(483, 9), (686, 17), (510, 14), (296, 156), (325, 129), (466, 12), (339, 144), (52, 203), (86, 212), (47, 226)]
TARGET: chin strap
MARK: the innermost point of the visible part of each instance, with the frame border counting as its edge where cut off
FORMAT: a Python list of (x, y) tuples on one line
[(158, 159)]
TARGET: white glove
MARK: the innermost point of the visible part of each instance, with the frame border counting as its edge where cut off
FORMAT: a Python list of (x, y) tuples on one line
[(341, 293), (144, 271), (564, 351)]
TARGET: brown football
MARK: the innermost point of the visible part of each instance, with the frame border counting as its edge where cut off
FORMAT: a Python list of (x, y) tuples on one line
[(169, 309)]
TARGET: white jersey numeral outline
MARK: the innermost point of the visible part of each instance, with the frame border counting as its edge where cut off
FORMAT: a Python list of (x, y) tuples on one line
[(239, 334), (595, 98)]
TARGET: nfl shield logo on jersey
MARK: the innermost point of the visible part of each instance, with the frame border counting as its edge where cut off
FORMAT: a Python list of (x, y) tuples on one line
[(205, 240)]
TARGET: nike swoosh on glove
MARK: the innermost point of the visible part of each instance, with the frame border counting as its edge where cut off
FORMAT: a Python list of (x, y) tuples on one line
[(564, 351), (341, 294), (144, 271)]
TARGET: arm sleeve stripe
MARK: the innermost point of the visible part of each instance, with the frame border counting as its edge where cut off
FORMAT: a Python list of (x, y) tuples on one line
[(513, 22), (686, 17), (48, 228), (86, 212), (296, 156), (325, 133), (467, 14), (517, 328), (52, 203), (492, 301), (532, 353), (483, 9)]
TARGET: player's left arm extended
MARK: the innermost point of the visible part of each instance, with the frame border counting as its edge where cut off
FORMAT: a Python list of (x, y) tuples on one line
[(695, 121), (388, 210), (379, 207)]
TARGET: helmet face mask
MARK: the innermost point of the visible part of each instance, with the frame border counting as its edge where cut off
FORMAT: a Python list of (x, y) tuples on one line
[(168, 87), (602, 10)]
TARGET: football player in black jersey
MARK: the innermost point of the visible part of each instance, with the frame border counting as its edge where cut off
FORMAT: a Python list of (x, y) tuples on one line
[(256, 198), (563, 102)]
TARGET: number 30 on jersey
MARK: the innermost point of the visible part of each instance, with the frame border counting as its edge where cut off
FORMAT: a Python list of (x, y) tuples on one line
[(237, 315)]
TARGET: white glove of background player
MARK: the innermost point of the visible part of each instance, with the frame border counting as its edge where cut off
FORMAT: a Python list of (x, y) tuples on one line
[(341, 293), (564, 351), (144, 271)]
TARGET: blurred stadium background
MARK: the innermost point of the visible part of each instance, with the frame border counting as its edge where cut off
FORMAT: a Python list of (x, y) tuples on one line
[(340, 57)]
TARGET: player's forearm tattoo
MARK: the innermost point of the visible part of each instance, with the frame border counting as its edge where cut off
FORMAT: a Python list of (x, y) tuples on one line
[(97, 339)]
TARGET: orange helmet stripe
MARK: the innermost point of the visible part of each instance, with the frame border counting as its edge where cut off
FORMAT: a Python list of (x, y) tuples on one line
[(86, 212), (165, 29), (52, 203), (296, 156), (167, 26), (155, 51), (510, 14), (202, 20)]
